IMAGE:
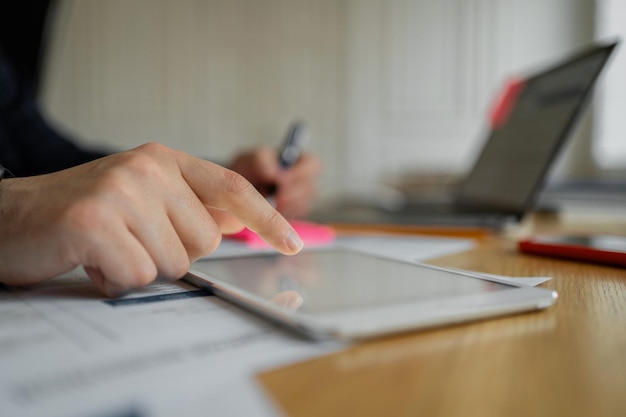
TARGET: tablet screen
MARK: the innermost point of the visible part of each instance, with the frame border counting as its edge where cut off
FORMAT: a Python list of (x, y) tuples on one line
[(337, 280)]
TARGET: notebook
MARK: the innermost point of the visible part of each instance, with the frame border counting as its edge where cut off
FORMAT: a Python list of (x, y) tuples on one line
[(529, 126)]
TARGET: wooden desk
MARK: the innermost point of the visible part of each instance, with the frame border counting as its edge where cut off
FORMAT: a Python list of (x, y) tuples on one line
[(568, 360)]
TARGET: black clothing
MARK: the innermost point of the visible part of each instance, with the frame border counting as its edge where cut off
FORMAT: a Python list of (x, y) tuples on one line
[(28, 144), (23, 36)]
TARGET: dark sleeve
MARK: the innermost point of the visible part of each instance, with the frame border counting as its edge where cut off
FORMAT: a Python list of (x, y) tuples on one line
[(29, 145)]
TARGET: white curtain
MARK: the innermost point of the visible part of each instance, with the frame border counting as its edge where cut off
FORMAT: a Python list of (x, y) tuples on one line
[(609, 145)]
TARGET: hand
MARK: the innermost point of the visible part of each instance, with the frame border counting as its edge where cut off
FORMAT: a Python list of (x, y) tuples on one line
[(128, 218), (295, 187)]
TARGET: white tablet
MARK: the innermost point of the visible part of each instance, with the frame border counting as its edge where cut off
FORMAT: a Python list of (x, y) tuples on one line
[(336, 293)]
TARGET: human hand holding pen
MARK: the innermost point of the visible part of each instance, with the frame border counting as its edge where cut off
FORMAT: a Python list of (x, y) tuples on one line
[(289, 175)]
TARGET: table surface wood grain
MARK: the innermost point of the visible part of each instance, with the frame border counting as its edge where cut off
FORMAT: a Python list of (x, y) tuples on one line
[(567, 360)]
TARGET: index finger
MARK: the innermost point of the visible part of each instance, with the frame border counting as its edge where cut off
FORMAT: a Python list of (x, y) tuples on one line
[(224, 189)]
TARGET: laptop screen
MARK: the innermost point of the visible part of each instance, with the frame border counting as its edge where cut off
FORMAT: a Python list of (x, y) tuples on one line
[(526, 138)]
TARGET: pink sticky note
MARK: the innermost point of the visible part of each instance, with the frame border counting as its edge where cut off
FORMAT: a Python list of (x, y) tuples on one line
[(505, 102), (312, 234)]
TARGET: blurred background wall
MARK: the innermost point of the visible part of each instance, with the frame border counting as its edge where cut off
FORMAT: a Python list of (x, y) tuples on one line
[(389, 87)]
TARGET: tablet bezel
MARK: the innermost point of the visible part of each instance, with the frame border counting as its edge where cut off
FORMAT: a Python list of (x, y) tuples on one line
[(363, 323)]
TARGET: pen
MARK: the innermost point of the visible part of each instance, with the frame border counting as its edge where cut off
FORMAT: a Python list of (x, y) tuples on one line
[(291, 150)]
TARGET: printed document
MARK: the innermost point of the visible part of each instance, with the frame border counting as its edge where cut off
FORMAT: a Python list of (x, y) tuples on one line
[(169, 349)]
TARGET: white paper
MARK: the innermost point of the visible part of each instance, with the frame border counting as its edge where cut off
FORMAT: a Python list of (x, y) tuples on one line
[(167, 350), (407, 248), (528, 281), (65, 351)]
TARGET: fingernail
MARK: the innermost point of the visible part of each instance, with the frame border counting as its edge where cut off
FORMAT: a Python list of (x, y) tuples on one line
[(294, 303), (294, 242)]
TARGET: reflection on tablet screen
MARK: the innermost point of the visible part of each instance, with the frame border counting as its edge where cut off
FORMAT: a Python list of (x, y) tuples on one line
[(330, 281)]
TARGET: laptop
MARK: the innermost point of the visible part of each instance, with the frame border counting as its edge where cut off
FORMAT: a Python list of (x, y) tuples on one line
[(528, 129)]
